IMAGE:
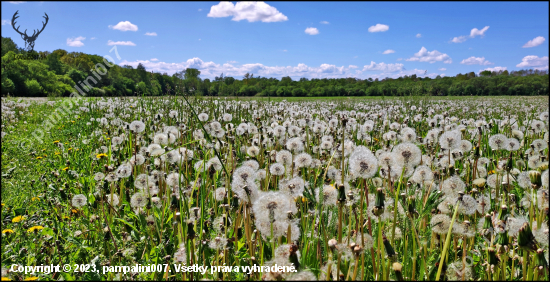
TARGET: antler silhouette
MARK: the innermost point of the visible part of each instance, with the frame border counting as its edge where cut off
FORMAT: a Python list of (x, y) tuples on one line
[(44, 25), (29, 40), (13, 24)]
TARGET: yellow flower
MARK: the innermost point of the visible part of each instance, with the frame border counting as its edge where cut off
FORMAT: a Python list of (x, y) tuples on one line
[(56, 141), (35, 199), (38, 158), (72, 121), (45, 155), (18, 218), (35, 228), (69, 149), (64, 169), (491, 172), (375, 139), (5, 279), (43, 150), (9, 231), (74, 211), (101, 155), (66, 143), (32, 278), (57, 153)]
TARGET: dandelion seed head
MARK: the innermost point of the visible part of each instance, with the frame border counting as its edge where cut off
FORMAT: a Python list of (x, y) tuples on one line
[(124, 171), (407, 154), (79, 200), (99, 176), (302, 160), (220, 194), (138, 200), (114, 201), (293, 187), (450, 139), (498, 142), (452, 186), (440, 223), (284, 157), (137, 126), (277, 169)]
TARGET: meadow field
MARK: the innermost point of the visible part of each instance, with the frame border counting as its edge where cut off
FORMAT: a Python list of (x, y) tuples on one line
[(416, 188)]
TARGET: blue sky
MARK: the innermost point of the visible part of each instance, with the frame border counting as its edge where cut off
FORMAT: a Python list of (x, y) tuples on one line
[(297, 39)]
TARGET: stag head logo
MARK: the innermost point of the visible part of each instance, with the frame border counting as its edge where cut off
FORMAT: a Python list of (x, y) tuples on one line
[(29, 40)]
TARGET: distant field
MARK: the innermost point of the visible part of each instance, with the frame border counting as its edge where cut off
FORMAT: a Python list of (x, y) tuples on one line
[(297, 99)]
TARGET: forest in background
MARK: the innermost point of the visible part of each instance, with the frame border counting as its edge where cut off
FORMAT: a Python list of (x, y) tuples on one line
[(54, 74)]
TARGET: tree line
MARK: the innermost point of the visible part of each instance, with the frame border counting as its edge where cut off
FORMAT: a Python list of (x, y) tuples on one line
[(42, 74)]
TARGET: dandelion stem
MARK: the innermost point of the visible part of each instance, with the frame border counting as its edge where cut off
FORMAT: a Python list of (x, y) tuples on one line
[(447, 241)]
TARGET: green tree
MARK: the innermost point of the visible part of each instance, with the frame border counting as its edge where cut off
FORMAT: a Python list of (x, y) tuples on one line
[(8, 45), (485, 73), (7, 84), (54, 63), (298, 92), (142, 89), (33, 87)]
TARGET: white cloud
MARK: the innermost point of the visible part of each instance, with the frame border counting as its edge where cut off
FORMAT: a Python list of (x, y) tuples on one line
[(383, 67), (211, 69), (122, 43), (389, 51), (75, 42), (154, 59), (418, 35), (379, 28), (442, 69), (475, 32), (534, 61), (6, 22), (496, 69), (325, 22), (124, 26), (399, 59), (532, 43), (251, 11), (151, 33), (93, 38), (476, 61), (434, 56), (200, 10), (459, 39), (312, 31), (284, 50), (199, 39), (17, 2)]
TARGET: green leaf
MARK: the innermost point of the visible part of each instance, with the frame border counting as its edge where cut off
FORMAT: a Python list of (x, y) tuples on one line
[(127, 223)]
